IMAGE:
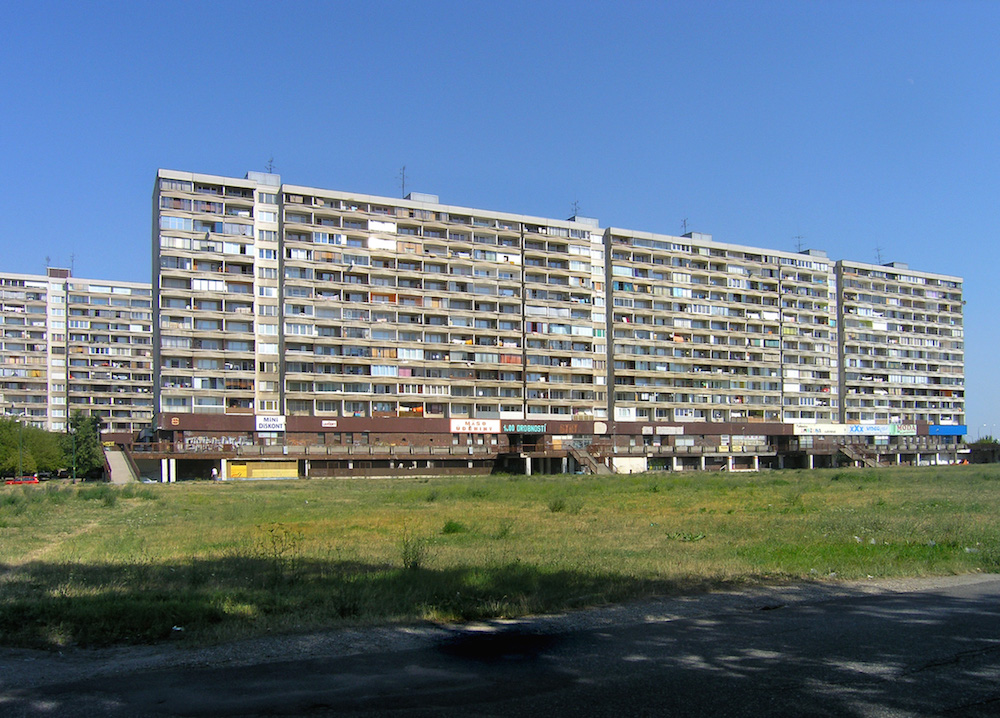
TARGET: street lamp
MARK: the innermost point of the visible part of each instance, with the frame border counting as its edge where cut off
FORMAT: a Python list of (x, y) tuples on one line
[(72, 433)]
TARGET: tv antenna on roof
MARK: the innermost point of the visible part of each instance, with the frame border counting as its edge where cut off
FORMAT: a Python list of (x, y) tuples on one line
[(270, 166), (402, 181), (684, 226), (798, 242), (576, 207), (878, 255)]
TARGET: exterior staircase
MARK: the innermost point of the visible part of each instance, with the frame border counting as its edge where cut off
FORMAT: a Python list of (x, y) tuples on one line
[(120, 468), (584, 459), (856, 453)]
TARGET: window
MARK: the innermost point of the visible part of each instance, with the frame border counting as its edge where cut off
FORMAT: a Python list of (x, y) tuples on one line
[(175, 223), (208, 285)]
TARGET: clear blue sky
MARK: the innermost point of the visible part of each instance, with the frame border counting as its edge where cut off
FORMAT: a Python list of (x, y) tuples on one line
[(867, 128)]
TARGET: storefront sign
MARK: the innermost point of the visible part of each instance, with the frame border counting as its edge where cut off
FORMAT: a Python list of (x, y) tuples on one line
[(948, 430), (475, 426), (270, 423), (855, 429), (524, 428), (819, 429)]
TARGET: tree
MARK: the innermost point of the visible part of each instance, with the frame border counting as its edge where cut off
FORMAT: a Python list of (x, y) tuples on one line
[(85, 431), (26, 449)]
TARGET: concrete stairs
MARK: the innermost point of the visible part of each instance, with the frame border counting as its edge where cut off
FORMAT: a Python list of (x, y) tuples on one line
[(589, 462), (120, 467)]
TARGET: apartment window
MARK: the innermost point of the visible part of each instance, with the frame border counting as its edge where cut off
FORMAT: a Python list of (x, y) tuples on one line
[(175, 185), (176, 223), (208, 285)]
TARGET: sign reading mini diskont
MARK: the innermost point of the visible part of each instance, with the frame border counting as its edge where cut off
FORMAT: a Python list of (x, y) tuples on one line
[(270, 423)]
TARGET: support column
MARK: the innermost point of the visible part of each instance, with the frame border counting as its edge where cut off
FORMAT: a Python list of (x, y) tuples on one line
[(168, 470), (809, 460), (781, 461), (917, 462), (306, 464), (702, 461), (527, 465), (756, 462), (565, 464), (729, 463), (673, 463), (224, 470)]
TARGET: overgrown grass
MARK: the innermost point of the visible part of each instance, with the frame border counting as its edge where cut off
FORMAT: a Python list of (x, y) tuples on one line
[(99, 565)]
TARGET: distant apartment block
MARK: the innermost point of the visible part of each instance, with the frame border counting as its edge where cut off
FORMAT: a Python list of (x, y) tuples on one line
[(71, 344)]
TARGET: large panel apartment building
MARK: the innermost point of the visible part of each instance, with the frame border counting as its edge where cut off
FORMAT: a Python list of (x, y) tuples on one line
[(70, 344), (343, 326)]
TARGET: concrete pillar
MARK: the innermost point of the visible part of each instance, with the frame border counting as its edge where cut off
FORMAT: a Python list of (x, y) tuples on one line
[(702, 462), (729, 463), (565, 464), (675, 463), (917, 463), (756, 462), (899, 459), (164, 470), (224, 470), (527, 465), (306, 464), (809, 460), (781, 461)]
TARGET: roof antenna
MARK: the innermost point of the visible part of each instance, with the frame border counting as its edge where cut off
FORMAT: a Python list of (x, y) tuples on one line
[(878, 255), (684, 226), (798, 242), (402, 182), (270, 166), (72, 260), (576, 208)]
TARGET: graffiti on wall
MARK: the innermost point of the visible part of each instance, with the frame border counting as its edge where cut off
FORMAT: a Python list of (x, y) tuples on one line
[(216, 443)]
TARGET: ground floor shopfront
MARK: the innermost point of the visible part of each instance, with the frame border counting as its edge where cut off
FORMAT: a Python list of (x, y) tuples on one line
[(190, 446)]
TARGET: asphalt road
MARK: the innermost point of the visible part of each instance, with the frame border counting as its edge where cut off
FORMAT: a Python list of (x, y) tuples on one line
[(844, 651)]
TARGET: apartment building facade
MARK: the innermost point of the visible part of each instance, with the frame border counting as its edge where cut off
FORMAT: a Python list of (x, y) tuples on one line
[(71, 344), (309, 317), (902, 340)]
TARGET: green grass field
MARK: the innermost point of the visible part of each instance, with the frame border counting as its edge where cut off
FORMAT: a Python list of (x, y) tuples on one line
[(99, 565)]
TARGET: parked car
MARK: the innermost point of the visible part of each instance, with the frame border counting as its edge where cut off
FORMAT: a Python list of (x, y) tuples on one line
[(22, 480)]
